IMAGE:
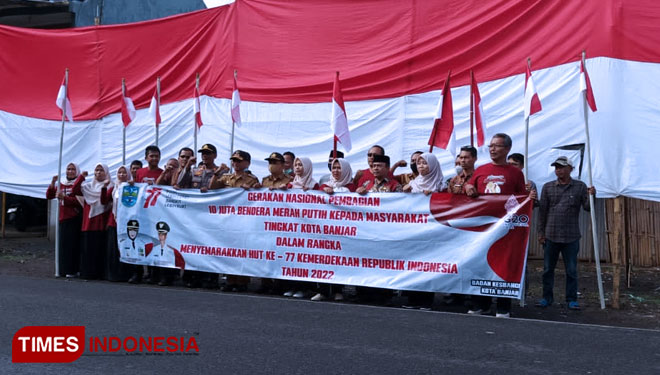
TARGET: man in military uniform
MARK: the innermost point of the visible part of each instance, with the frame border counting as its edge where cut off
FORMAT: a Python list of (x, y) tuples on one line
[(200, 177), (277, 179), (240, 162), (381, 181)]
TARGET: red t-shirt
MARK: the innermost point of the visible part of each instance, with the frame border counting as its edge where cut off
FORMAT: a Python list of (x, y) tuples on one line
[(145, 174), (69, 206), (498, 179)]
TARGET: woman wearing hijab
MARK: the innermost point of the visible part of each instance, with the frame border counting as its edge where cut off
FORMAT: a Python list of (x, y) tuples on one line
[(429, 180), (341, 180), (114, 269), (302, 170), (94, 221), (70, 220)]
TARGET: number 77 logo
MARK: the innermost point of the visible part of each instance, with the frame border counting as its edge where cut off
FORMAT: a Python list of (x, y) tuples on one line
[(152, 196)]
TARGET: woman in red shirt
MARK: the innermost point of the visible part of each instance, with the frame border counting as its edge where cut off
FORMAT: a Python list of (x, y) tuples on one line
[(114, 269), (69, 220), (94, 222)]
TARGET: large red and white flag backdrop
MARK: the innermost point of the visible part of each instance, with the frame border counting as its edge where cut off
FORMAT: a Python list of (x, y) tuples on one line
[(393, 57)]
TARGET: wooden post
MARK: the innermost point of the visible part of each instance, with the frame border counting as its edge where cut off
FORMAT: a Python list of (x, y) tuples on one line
[(617, 248)]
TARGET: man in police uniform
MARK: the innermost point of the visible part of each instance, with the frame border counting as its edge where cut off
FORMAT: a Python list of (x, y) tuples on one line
[(381, 182), (200, 177), (277, 179), (240, 162)]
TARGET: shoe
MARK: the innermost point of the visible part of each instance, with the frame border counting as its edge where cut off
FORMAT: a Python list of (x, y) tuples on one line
[(410, 307), (318, 297), (339, 297), (573, 305), (543, 303), (135, 279), (475, 312), (503, 315), (425, 308), (71, 276), (288, 294), (298, 294)]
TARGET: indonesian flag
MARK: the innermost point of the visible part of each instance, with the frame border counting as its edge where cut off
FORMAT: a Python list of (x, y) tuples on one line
[(127, 109), (479, 121), (339, 121), (442, 135), (585, 85), (196, 108), (532, 101), (236, 105), (63, 100), (154, 108)]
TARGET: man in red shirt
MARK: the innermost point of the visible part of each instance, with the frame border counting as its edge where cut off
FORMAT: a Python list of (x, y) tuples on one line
[(151, 172), (148, 174), (497, 177)]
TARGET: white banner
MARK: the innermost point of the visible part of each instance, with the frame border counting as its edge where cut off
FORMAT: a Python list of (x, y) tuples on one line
[(440, 243)]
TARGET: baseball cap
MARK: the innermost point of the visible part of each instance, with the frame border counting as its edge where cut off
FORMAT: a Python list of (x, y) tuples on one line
[(239, 155), (275, 156), (562, 161), (208, 147)]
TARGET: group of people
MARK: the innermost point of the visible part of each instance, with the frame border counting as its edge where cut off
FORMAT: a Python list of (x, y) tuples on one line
[(88, 234)]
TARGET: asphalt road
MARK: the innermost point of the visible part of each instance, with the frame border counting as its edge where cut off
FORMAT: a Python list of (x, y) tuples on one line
[(250, 334)]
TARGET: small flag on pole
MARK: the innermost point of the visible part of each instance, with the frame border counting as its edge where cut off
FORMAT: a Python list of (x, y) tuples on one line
[(154, 108), (63, 102), (339, 121), (442, 135), (532, 101), (236, 105), (585, 85), (127, 107), (479, 121), (197, 108)]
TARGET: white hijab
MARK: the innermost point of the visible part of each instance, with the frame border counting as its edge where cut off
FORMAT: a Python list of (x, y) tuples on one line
[(433, 181), (92, 192), (306, 179), (116, 192), (65, 181), (345, 178)]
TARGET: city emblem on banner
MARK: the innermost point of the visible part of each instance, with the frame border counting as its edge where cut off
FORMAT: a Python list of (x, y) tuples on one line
[(129, 195)]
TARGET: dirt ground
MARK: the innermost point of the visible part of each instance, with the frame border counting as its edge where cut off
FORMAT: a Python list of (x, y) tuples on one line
[(31, 254)]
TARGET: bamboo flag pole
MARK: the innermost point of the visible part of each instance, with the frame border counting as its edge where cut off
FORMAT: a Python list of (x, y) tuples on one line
[(233, 123), (59, 174), (157, 106), (529, 65), (592, 210), (194, 121), (123, 147)]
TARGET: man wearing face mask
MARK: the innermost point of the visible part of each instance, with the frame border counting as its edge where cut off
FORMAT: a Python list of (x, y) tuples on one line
[(404, 179), (326, 177), (277, 178), (466, 159), (289, 157)]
